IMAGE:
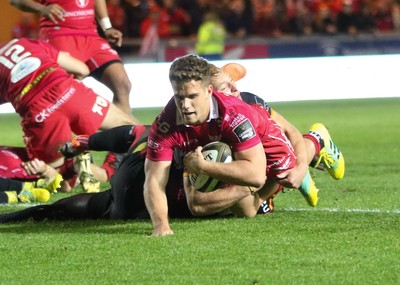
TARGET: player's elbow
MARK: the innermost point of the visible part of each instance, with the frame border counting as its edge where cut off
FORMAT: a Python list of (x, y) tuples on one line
[(257, 181), (198, 210)]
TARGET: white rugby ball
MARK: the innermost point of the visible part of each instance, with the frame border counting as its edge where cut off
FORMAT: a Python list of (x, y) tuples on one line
[(214, 152)]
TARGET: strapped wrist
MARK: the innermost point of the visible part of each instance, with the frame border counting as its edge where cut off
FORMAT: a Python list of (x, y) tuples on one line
[(105, 24)]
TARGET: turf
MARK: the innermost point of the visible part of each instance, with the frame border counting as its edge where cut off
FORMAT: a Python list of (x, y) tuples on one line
[(351, 237)]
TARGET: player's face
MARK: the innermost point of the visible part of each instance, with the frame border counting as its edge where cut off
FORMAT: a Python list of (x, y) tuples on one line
[(192, 100), (224, 83)]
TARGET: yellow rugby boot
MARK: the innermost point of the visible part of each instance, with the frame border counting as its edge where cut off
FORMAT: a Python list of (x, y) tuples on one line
[(329, 155), (51, 184), (34, 195), (309, 190)]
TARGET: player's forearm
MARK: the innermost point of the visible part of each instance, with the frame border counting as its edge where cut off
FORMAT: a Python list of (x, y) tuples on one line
[(299, 146), (157, 207), (100, 9), (27, 5), (238, 172), (202, 204)]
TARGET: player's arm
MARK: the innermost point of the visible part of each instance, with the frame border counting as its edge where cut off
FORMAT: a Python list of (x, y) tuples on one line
[(112, 35), (157, 173), (73, 65), (53, 11), (247, 169), (293, 178), (208, 203)]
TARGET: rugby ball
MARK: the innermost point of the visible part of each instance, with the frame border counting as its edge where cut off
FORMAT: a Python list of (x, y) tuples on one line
[(214, 152)]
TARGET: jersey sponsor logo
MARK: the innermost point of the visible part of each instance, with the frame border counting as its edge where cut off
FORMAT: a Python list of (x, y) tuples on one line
[(28, 87), (45, 113), (76, 14), (163, 127), (152, 144), (281, 164), (244, 131), (82, 3)]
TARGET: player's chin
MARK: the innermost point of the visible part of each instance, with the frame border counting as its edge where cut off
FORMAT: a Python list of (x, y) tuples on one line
[(190, 118)]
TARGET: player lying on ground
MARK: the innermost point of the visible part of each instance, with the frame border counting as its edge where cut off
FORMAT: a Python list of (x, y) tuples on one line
[(30, 181)]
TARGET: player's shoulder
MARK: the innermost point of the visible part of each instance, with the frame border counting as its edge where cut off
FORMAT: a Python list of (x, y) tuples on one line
[(253, 99)]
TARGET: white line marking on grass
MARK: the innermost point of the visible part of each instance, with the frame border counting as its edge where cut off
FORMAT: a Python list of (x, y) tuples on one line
[(341, 210)]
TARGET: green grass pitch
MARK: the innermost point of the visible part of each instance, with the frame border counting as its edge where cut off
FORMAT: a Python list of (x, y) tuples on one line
[(351, 237)]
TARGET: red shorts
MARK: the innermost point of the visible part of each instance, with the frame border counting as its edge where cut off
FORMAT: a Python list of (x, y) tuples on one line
[(10, 163), (94, 51), (71, 107)]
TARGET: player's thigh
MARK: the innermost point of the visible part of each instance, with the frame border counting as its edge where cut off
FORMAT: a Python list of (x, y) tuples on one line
[(116, 117)]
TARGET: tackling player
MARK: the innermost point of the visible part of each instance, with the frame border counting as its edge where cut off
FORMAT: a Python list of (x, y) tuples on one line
[(311, 148)]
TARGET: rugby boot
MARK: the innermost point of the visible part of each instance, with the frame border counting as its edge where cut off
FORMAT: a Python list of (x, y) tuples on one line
[(329, 156), (51, 184), (33, 195), (88, 182), (77, 145), (309, 190)]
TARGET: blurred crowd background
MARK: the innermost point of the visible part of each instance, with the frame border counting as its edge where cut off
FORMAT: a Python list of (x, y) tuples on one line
[(148, 25), (245, 18)]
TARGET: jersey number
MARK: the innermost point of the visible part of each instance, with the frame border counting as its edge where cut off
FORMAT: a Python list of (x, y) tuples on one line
[(20, 62)]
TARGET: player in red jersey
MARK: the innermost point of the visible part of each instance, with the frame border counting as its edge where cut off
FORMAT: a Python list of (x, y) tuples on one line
[(51, 103), (71, 26), (198, 115)]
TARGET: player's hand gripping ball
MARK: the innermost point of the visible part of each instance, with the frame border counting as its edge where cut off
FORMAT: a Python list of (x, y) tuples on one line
[(214, 152)]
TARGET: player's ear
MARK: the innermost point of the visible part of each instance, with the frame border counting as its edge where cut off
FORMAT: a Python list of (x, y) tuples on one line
[(209, 90)]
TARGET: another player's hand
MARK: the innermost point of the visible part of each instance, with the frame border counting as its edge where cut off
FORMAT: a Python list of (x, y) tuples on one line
[(114, 37), (54, 12), (292, 178), (34, 166)]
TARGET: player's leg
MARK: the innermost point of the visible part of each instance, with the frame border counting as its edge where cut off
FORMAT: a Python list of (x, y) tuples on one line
[(326, 152), (127, 186), (14, 191), (81, 206), (115, 77), (115, 117), (259, 202)]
